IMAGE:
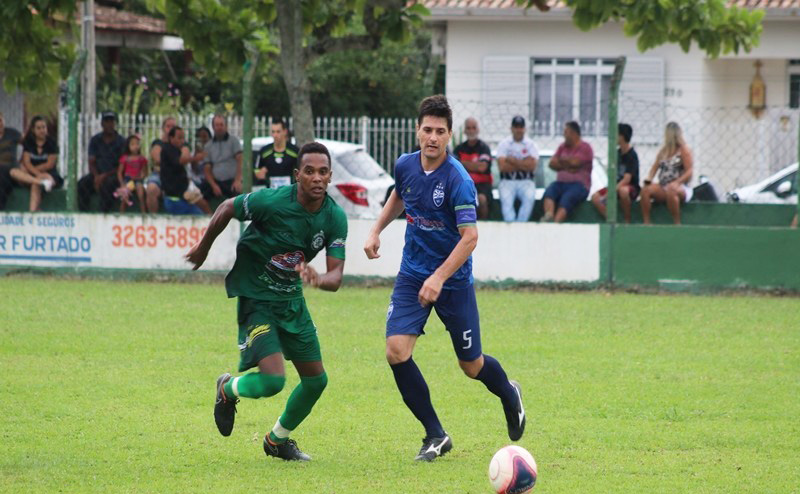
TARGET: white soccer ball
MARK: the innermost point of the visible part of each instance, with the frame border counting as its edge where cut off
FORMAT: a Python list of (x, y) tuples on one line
[(512, 471)]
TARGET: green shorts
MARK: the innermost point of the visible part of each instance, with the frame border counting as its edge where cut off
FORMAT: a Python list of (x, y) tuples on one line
[(267, 327)]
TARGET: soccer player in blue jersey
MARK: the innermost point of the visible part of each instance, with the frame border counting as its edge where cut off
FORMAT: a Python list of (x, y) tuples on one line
[(436, 272)]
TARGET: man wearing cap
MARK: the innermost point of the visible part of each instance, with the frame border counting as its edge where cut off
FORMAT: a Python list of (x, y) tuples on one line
[(105, 150), (517, 157)]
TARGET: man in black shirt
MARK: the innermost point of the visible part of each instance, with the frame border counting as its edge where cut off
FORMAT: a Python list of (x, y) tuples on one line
[(627, 175), (9, 140), (105, 149), (275, 162), (476, 157), (180, 195)]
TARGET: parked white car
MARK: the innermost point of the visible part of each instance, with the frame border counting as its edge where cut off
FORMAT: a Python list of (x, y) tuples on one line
[(780, 188), (545, 175), (359, 183)]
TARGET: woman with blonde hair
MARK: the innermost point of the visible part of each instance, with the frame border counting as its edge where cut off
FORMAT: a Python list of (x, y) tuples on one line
[(674, 165)]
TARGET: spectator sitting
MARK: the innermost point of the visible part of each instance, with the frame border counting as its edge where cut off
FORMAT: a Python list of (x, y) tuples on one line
[(517, 158), (476, 157), (105, 149), (201, 137), (223, 165), (181, 196), (38, 165), (674, 164), (627, 175), (573, 162), (10, 138), (153, 182), (130, 174), (276, 161)]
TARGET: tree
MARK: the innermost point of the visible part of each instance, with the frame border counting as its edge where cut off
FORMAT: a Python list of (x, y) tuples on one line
[(715, 27), (35, 52), (223, 32)]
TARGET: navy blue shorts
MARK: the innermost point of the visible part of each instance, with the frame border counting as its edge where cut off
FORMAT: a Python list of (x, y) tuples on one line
[(457, 309), (566, 195)]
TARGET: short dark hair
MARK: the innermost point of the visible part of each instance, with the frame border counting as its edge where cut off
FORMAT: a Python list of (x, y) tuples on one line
[(436, 106), (281, 122), (575, 126), (174, 131), (313, 148), (626, 131)]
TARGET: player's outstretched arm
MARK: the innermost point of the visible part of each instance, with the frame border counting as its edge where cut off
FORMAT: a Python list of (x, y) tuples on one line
[(330, 281), (222, 216), (392, 208)]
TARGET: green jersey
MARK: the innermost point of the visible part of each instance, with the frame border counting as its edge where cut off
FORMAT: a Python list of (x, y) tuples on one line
[(281, 235)]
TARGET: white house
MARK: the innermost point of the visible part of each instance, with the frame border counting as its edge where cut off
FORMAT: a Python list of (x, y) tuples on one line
[(502, 60)]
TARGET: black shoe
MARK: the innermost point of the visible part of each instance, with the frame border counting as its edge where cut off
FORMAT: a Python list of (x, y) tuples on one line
[(434, 447), (515, 418), (286, 450), (224, 407)]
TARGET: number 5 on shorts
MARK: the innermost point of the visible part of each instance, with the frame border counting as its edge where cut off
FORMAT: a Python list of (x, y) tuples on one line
[(467, 339)]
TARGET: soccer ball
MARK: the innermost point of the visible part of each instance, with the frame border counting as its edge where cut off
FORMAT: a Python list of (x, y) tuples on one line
[(512, 471)]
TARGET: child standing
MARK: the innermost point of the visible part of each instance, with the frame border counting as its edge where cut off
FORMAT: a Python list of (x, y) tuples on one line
[(131, 172)]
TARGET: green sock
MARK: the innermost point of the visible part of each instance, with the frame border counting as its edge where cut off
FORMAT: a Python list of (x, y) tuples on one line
[(300, 403), (254, 385)]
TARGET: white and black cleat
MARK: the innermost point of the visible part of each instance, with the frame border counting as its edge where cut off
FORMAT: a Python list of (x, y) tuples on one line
[(434, 447), (515, 418)]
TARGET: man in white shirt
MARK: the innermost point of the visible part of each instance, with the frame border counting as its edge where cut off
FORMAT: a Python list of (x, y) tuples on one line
[(517, 157)]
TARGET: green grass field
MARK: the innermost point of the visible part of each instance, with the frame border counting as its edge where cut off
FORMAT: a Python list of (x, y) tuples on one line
[(108, 387)]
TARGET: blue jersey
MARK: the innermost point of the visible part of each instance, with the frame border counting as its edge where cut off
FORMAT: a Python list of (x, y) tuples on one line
[(437, 205)]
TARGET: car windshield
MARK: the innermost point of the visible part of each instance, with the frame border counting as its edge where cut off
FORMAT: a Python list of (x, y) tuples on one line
[(360, 164)]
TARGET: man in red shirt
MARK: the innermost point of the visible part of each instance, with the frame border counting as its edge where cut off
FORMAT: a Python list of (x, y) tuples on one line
[(476, 157)]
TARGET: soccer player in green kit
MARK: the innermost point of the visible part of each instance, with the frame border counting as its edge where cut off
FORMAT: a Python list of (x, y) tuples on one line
[(289, 226)]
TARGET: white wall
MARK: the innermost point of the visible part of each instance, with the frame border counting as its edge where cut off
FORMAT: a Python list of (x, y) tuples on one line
[(523, 252)]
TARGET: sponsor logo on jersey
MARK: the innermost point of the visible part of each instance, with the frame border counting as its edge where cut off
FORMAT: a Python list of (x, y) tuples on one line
[(318, 240), (438, 194), (424, 223), (338, 243), (282, 265)]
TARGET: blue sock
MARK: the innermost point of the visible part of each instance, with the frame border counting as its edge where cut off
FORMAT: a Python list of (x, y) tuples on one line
[(416, 396), (494, 378)]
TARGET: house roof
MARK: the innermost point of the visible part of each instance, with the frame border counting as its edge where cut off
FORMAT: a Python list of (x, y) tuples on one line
[(111, 19)]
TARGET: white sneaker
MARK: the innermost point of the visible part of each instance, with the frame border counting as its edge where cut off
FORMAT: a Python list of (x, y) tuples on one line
[(48, 184)]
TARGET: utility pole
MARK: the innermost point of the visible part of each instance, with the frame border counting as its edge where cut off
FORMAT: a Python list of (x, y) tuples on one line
[(88, 99)]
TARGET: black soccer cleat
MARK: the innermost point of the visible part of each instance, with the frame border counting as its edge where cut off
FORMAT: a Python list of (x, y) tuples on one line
[(286, 450), (515, 417), (224, 407), (434, 447)]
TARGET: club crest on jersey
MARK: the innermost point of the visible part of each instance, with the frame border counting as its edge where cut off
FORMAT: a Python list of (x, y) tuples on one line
[(438, 194), (318, 240)]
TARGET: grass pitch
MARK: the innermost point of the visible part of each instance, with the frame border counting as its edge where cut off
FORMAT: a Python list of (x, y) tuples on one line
[(108, 387)]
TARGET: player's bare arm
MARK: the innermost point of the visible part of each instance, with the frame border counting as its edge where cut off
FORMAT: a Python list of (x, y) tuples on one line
[(432, 287), (222, 216), (392, 208), (330, 281)]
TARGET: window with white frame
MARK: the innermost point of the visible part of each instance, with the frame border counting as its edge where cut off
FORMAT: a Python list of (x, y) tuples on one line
[(564, 89), (794, 83)]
